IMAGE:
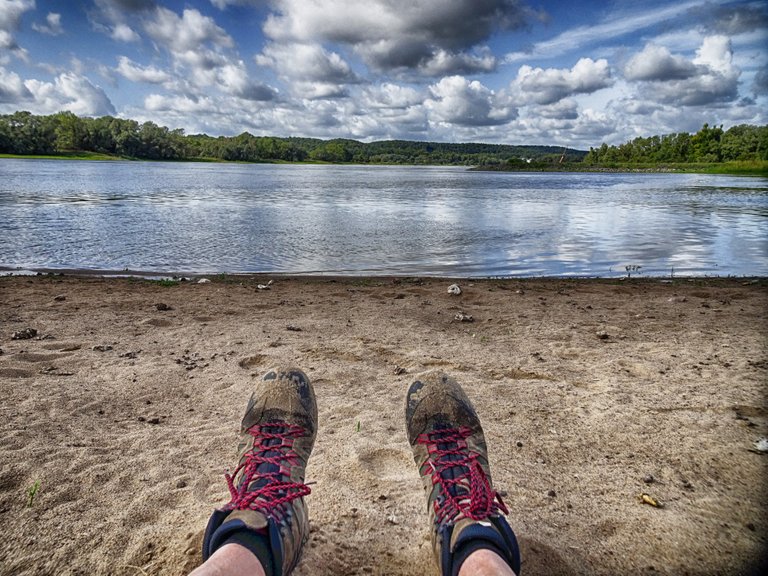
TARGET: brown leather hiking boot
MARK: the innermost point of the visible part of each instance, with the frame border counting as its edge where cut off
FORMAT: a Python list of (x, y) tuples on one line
[(267, 487), (449, 448)]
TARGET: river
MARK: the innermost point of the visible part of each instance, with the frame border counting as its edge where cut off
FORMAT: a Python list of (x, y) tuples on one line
[(198, 218)]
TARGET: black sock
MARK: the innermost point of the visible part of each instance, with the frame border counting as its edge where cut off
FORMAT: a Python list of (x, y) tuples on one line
[(258, 544)]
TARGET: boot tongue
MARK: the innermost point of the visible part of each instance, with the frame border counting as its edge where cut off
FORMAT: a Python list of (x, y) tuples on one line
[(252, 519), (452, 472), (267, 471)]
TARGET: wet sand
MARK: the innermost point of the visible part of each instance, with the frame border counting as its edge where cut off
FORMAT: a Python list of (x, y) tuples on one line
[(590, 391)]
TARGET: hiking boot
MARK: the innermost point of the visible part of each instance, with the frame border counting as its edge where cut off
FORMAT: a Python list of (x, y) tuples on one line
[(267, 487), (465, 512)]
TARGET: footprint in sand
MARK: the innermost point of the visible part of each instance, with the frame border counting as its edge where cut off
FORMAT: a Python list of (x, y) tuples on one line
[(15, 373), (252, 361), (34, 357), (158, 322), (11, 479), (386, 463), (63, 346)]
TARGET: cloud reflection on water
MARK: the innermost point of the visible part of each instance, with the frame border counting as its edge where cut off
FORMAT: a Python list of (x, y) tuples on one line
[(377, 220)]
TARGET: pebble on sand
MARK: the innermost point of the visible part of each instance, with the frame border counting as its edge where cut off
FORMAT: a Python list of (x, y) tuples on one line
[(761, 446), (24, 334)]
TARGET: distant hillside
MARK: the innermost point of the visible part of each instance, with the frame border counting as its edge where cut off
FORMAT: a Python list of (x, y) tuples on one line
[(65, 134)]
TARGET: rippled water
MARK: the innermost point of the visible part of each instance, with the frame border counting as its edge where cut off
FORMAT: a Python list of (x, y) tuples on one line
[(203, 218)]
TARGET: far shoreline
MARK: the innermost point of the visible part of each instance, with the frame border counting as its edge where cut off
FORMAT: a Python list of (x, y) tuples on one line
[(751, 169)]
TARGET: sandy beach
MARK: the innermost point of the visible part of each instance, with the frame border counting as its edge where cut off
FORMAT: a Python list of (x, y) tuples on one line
[(123, 409)]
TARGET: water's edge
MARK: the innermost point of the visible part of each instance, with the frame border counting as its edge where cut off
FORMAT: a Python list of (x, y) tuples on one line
[(181, 276)]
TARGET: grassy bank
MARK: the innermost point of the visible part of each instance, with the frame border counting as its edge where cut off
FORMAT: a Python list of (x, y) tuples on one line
[(741, 168), (84, 155), (80, 155)]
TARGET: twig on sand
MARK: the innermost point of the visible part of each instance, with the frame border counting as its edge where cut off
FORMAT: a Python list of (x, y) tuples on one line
[(139, 568)]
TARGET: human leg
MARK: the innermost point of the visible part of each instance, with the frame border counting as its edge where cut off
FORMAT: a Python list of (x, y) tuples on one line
[(228, 560), (483, 562), (267, 515), (469, 531)]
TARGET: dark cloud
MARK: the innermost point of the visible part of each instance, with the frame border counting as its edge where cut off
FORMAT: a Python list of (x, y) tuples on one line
[(460, 24), (222, 4), (10, 17), (732, 19), (760, 85), (257, 93), (126, 5), (396, 54), (112, 16), (700, 91), (402, 35)]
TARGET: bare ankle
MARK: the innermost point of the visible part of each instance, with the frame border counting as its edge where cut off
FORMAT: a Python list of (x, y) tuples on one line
[(485, 563)]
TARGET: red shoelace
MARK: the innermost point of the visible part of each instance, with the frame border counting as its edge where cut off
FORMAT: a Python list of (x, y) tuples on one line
[(273, 445), (465, 487)]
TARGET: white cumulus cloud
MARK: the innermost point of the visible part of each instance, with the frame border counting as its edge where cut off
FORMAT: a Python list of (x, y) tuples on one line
[(124, 33), (52, 25), (547, 86), (12, 89), (309, 69), (392, 96), (456, 100), (135, 73), (69, 91), (187, 32), (306, 61), (183, 104), (233, 79), (658, 63), (709, 78)]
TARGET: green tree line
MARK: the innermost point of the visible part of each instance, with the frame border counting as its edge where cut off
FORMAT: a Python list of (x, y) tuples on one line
[(65, 133), (708, 145)]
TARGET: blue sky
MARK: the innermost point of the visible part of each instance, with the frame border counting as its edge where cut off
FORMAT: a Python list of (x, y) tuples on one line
[(502, 71)]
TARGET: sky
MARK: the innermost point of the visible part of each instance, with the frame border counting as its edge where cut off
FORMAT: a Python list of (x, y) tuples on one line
[(565, 73)]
